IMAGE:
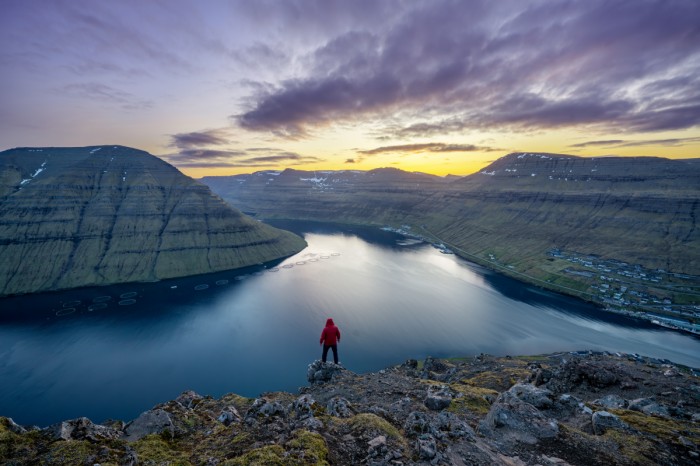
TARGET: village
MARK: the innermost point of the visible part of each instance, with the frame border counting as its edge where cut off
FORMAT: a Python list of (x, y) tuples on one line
[(652, 294)]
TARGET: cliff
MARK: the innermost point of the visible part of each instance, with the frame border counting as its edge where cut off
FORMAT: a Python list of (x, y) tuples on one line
[(563, 409), (618, 231), (72, 217)]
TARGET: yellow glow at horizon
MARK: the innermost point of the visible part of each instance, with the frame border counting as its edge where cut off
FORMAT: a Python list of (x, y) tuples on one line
[(334, 146)]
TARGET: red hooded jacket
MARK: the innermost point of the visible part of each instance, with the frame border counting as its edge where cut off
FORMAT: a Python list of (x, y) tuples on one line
[(330, 334)]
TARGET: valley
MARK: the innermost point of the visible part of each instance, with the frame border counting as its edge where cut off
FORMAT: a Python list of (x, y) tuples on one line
[(626, 215)]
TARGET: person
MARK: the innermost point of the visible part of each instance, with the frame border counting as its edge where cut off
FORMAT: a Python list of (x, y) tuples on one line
[(330, 337)]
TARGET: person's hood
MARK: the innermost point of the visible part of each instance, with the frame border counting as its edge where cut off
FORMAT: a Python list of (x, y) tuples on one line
[(329, 322)]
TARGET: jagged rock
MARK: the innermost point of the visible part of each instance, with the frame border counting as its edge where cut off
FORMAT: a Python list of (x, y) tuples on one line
[(377, 441), (264, 408), (229, 415), (515, 420), (426, 446), (130, 458), (81, 429), (438, 399), (603, 420), (154, 421), (339, 407), (649, 406), (385, 422), (303, 406), (411, 364), (417, 423), (435, 365), (611, 402), (574, 372), (541, 376), (12, 426), (574, 404), (453, 426), (538, 397), (188, 399), (319, 371)]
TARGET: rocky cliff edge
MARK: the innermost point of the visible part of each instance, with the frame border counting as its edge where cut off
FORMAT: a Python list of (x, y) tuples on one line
[(567, 408)]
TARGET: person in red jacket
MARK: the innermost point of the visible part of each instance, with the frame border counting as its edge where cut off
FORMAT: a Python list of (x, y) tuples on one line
[(330, 337)]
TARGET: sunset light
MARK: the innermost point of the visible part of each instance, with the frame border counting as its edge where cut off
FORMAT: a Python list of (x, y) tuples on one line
[(220, 87)]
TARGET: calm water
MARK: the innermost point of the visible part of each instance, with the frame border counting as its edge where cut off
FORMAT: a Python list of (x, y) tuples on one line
[(114, 352)]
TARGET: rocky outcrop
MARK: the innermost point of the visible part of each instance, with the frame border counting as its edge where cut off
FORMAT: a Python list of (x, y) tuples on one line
[(484, 411), (100, 215)]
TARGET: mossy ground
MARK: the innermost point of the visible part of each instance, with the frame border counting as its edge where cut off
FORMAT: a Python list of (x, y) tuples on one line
[(305, 448), (154, 449)]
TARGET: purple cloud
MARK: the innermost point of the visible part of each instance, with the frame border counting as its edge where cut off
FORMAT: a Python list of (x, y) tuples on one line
[(426, 147), (648, 142), (208, 158), (451, 66), (213, 137)]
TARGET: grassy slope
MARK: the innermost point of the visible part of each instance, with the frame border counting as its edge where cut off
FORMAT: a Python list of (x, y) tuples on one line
[(637, 210)]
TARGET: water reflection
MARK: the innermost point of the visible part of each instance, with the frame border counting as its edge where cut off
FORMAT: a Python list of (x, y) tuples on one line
[(256, 330)]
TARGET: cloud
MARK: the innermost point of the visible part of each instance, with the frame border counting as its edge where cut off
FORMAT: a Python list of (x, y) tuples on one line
[(662, 142), (212, 137), (208, 158), (104, 93), (427, 147), (648, 142), (609, 142), (520, 66)]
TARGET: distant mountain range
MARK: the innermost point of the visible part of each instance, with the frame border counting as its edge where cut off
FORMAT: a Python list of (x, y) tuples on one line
[(100, 215), (535, 216)]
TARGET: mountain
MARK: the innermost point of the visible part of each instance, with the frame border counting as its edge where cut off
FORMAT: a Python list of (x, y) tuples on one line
[(381, 196), (99, 215), (620, 231), (579, 408)]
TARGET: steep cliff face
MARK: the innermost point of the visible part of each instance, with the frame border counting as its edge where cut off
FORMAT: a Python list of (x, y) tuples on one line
[(379, 197), (642, 209), (99, 215), (534, 216)]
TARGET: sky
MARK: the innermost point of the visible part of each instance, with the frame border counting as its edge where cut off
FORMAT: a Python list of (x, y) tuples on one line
[(440, 86)]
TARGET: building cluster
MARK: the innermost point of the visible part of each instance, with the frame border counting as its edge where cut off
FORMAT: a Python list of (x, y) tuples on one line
[(637, 290)]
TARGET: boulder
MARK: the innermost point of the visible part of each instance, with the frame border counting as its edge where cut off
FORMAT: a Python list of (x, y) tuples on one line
[(538, 397), (417, 423), (189, 399), (81, 429), (154, 421), (603, 421), (339, 407), (319, 371), (263, 408), (573, 405), (649, 406), (450, 424), (438, 398), (516, 421), (426, 446), (229, 415), (303, 407)]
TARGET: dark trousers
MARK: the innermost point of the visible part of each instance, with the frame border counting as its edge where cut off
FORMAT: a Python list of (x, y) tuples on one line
[(335, 352)]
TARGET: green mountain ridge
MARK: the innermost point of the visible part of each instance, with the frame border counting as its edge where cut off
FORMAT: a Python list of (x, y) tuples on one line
[(99, 215), (568, 223)]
